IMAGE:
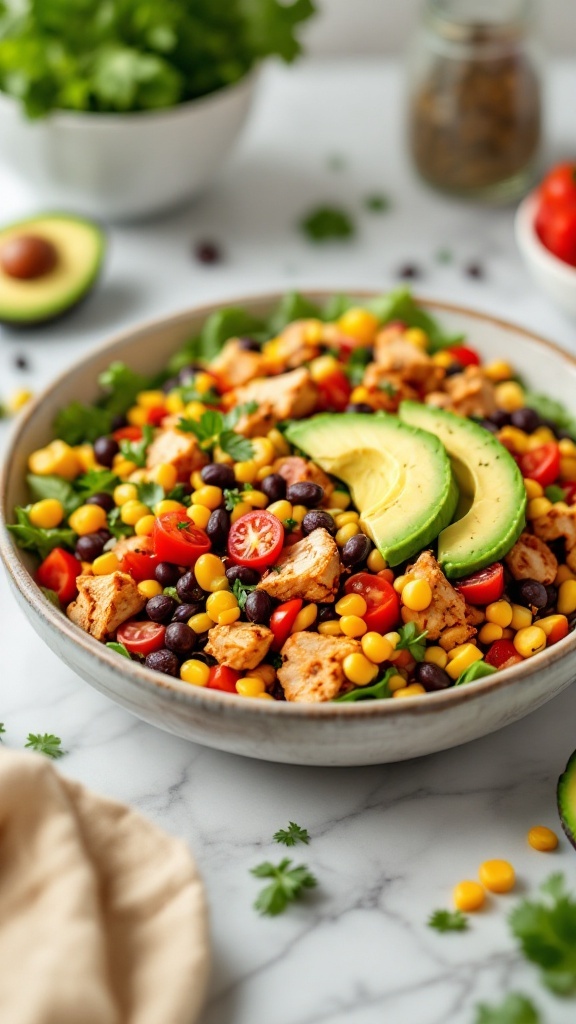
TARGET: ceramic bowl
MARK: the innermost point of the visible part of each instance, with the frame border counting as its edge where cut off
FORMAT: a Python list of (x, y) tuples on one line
[(370, 732), (124, 166), (555, 277)]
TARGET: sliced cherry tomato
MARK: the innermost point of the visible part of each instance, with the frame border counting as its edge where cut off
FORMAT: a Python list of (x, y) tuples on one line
[(256, 539), (128, 434), (464, 355), (334, 392), (156, 415), (556, 227), (559, 185), (176, 538), (282, 620), (383, 604), (502, 654), (140, 566), (484, 586), (570, 492), (223, 678), (541, 464), (141, 637), (58, 572)]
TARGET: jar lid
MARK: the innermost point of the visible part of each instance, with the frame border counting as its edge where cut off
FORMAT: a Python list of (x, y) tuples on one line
[(479, 21)]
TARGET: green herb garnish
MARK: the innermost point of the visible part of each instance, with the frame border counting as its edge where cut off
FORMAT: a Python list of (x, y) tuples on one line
[(45, 743), (173, 593), (232, 497), (516, 1009), (356, 364), (411, 640), (214, 428), (477, 670), (377, 203), (290, 524), (546, 931), (241, 591), (38, 539), (555, 493), (135, 451), (379, 690), (550, 409), (52, 596), (288, 884), (2, 731), (77, 423), (448, 921), (119, 648), (326, 224), (291, 835)]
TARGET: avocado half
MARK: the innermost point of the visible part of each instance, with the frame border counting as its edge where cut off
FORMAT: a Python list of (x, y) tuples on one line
[(80, 247), (566, 797)]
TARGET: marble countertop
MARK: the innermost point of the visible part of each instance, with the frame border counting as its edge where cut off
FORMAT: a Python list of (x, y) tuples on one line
[(387, 843)]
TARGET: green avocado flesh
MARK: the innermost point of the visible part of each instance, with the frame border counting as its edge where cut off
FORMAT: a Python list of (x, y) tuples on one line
[(400, 477), (566, 797), (490, 514), (80, 246)]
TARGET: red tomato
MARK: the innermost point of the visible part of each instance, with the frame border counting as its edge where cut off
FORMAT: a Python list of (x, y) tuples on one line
[(58, 572), (464, 355), (139, 565), (141, 637), (541, 464), (128, 434), (156, 415), (559, 185), (570, 492), (223, 678), (334, 392), (502, 654), (282, 620), (256, 539), (176, 538), (556, 628), (556, 227), (484, 586), (383, 603)]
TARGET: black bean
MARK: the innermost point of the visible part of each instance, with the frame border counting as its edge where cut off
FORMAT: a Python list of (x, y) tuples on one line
[(409, 271), (179, 638), (21, 363), (326, 613), (244, 573), (474, 270), (500, 418), (186, 611), (530, 592), (89, 547), (305, 493), (359, 407), (206, 659), (525, 419), (432, 677), (258, 607), (161, 608), (188, 589), (218, 475), (318, 520), (164, 661), (551, 595), (167, 574), (274, 487), (356, 550), (249, 344), (218, 528), (105, 448), (454, 369), (201, 641), (105, 501), (208, 252)]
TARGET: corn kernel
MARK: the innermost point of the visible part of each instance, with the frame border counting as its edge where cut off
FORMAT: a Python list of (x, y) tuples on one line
[(281, 509), (229, 616), (250, 686), (498, 371), (468, 896), (413, 690), (510, 396), (209, 571), (263, 472), (123, 493), (567, 447), (330, 628), (139, 476), (443, 359), (85, 455), (360, 394), (533, 488), (194, 410), (298, 512), (137, 416), (200, 623), (376, 648), (436, 656), (514, 438), (538, 507), (218, 455), (551, 624), (58, 459), (339, 499), (567, 469), (279, 442), (497, 875), (18, 399), (521, 617), (542, 839), (375, 562), (124, 468), (490, 632), (416, 336), (358, 669), (566, 604), (353, 625), (174, 403), (165, 475), (395, 683), (393, 638), (87, 569), (167, 505), (47, 513), (150, 588), (105, 564), (345, 533), (196, 480), (530, 641), (401, 581), (343, 518), (145, 526), (543, 435), (322, 368), (256, 499), (351, 604), (87, 519), (564, 573), (199, 515), (500, 613), (306, 616), (195, 672), (132, 511), (359, 324), (417, 595), (246, 472), (263, 452), (239, 510), (460, 658), (220, 601), (209, 496)]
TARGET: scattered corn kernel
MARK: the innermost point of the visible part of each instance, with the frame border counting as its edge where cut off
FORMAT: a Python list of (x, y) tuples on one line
[(542, 839), (18, 399), (281, 509), (443, 359), (490, 632), (246, 472), (567, 447), (359, 324), (220, 601), (498, 371), (413, 690), (255, 498), (330, 628), (145, 526), (209, 571), (352, 625), (345, 533), (167, 505), (515, 438), (263, 472), (250, 686), (105, 564), (568, 469), (530, 641), (393, 638), (533, 489), (195, 672), (137, 416), (194, 410), (469, 896), (343, 518), (497, 875), (538, 507), (150, 588), (85, 455), (229, 616), (339, 499), (460, 658), (87, 519), (358, 669), (306, 616), (396, 682), (125, 492), (165, 475), (298, 512), (264, 452), (566, 604), (500, 613), (57, 459), (174, 403), (199, 514), (436, 656), (47, 513), (279, 442), (416, 336), (521, 617), (322, 368), (200, 622), (376, 647), (239, 510), (132, 511), (417, 595), (375, 561), (351, 604), (209, 496), (510, 396), (564, 573), (401, 581)]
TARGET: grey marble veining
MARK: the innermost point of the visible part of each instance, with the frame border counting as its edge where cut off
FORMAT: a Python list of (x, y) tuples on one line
[(387, 843)]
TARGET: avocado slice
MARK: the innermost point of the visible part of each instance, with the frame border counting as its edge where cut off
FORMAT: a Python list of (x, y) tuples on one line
[(36, 287), (400, 477), (566, 797), (490, 514)]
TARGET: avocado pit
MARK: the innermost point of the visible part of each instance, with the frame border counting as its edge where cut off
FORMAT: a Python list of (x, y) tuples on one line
[(28, 257)]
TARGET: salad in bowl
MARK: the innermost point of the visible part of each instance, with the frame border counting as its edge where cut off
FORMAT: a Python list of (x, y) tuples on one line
[(333, 504)]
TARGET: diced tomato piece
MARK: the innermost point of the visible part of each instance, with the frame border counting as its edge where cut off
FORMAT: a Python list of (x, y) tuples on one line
[(541, 464), (140, 566), (334, 392), (464, 355), (383, 603), (555, 626), (484, 586), (223, 678), (256, 539), (177, 540), (282, 620), (570, 492), (59, 572), (502, 654), (128, 434), (559, 185), (141, 637), (156, 415)]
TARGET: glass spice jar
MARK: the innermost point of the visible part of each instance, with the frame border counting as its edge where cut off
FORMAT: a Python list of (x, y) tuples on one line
[(475, 104)]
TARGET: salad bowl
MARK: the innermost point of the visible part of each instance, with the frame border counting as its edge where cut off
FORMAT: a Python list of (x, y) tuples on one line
[(329, 734)]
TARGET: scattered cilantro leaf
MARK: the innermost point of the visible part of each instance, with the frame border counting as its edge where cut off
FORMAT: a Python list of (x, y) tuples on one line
[(546, 931), (77, 423), (293, 306), (119, 648), (239, 448), (2, 730), (555, 493), (290, 524), (477, 670), (444, 256), (213, 428), (379, 690), (121, 385), (516, 1009), (190, 394), (173, 593), (52, 596), (150, 493), (217, 329), (288, 884), (135, 451), (183, 526), (356, 364), (45, 743), (117, 528), (178, 493), (232, 497), (54, 487), (550, 409), (411, 640), (241, 591), (38, 539), (275, 660), (95, 481), (327, 223), (448, 921), (291, 835), (377, 203)]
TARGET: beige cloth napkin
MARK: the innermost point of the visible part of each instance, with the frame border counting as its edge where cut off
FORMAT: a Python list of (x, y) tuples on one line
[(102, 915)]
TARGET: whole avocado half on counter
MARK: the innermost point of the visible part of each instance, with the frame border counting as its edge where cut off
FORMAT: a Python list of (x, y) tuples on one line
[(566, 797), (48, 263)]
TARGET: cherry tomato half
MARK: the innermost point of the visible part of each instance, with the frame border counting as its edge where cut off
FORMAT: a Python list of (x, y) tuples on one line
[(334, 392), (156, 415), (223, 678), (464, 355), (556, 227), (256, 539), (502, 654), (559, 185), (541, 464), (128, 434), (58, 572), (484, 586), (176, 538), (141, 637), (282, 620), (570, 492), (140, 565), (383, 603)]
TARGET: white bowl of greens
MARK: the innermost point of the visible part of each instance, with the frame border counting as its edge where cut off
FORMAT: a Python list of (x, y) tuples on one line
[(125, 111)]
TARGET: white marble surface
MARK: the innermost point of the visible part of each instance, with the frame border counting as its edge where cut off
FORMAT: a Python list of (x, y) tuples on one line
[(387, 843)]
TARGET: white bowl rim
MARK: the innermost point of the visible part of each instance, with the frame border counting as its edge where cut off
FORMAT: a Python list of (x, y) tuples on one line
[(529, 241), (199, 697), (61, 117)]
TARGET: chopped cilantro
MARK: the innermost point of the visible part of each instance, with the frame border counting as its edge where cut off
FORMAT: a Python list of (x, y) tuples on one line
[(356, 364), (119, 648), (290, 524), (135, 451), (516, 1009), (45, 743), (150, 493), (377, 203), (241, 591), (213, 428), (411, 640), (291, 835), (326, 224), (35, 538), (448, 921), (78, 423), (288, 884), (379, 690), (546, 931)]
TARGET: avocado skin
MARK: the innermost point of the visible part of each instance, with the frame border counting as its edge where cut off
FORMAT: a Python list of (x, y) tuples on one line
[(566, 809)]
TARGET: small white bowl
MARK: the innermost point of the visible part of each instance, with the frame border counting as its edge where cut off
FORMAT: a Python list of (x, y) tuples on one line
[(124, 166), (556, 278)]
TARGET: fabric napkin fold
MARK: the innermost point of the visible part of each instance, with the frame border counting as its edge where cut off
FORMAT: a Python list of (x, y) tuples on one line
[(102, 915)]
